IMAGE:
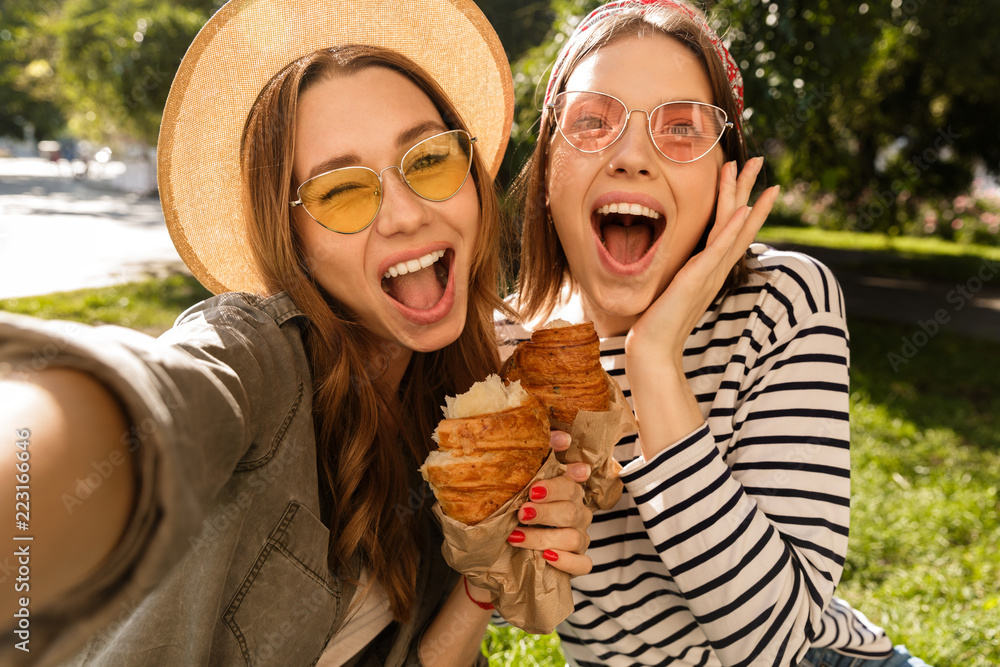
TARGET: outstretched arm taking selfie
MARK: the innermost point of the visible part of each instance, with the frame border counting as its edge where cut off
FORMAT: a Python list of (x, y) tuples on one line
[(79, 479), (131, 441)]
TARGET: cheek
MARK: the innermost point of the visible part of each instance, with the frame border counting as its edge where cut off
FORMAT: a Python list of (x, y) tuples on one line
[(560, 176)]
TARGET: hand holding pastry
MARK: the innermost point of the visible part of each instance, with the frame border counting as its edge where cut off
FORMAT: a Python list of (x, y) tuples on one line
[(555, 520)]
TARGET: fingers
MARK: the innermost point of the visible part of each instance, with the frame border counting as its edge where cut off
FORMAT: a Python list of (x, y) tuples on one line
[(560, 440), (744, 184), (734, 191), (739, 232), (726, 205), (563, 488), (563, 548), (562, 514)]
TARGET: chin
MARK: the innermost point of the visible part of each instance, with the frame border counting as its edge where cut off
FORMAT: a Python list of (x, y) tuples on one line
[(437, 336), (622, 300)]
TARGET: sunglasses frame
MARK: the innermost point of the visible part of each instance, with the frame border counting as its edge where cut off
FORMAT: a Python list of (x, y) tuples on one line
[(378, 175), (727, 124)]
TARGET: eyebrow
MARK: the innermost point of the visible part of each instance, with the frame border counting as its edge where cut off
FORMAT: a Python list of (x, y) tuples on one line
[(405, 139)]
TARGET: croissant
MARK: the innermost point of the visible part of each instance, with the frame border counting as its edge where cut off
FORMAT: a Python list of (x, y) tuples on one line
[(561, 366), (492, 442)]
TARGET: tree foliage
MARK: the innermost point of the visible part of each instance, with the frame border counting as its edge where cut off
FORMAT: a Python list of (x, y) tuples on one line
[(880, 104), (28, 88), (875, 106), (119, 58)]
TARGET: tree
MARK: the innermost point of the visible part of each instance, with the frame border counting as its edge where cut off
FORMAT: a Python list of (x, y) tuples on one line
[(28, 90), (119, 57), (881, 104)]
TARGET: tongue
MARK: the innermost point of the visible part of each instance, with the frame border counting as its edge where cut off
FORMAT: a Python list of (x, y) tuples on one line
[(627, 244), (419, 290)]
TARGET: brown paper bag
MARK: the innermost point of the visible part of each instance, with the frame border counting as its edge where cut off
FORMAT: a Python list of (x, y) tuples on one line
[(595, 435), (523, 587)]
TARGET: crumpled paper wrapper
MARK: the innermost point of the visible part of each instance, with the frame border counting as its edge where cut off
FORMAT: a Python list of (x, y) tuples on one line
[(595, 435), (526, 591)]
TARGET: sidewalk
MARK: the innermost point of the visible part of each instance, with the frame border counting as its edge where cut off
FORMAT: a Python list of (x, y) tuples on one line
[(58, 233)]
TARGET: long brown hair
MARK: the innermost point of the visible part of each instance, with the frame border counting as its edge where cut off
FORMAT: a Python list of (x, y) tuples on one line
[(369, 438), (544, 267)]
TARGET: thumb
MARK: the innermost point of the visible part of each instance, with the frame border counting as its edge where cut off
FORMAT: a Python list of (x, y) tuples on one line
[(578, 472)]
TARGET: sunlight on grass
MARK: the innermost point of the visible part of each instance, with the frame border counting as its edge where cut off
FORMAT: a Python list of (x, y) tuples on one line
[(150, 306), (826, 238), (509, 646), (925, 506)]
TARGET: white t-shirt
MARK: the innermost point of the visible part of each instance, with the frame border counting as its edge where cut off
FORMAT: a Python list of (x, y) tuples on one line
[(360, 628)]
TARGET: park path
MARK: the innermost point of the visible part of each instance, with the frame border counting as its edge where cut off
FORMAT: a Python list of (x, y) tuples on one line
[(969, 306), (59, 234)]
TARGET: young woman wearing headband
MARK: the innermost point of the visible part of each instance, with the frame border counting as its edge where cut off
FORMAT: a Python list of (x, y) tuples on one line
[(245, 488), (731, 537)]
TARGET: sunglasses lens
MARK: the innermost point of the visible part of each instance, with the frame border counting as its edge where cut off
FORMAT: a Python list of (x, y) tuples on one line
[(436, 168), (686, 131), (342, 200), (589, 121)]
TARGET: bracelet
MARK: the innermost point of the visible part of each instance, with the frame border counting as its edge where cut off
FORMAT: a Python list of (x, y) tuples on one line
[(482, 605)]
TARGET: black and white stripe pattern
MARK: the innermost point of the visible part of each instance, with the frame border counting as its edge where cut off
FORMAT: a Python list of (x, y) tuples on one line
[(725, 549)]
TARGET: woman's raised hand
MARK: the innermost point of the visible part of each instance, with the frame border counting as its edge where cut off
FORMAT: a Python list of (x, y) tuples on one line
[(664, 404), (555, 520), (669, 320)]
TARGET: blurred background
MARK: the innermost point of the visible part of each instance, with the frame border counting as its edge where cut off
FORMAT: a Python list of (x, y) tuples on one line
[(878, 116), (878, 119)]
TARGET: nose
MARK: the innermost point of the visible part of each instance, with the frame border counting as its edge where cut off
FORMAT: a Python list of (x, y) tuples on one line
[(634, 153), (402, 210)]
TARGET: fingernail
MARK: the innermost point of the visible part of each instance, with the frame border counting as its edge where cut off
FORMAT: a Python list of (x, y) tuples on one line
[(516, 537), (561, 439), (579, 471), (538, 492), (528, 513), (550, 555)]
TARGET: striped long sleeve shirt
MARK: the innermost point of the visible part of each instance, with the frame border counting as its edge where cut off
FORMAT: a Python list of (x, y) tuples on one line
[(726, 547)]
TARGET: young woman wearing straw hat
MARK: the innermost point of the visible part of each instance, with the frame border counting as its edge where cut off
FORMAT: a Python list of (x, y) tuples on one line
[(244, 489), (729, 541)]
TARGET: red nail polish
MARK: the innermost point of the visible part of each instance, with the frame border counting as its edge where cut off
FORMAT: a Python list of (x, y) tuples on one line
[(538, 492), (516, 537), (528, 513), (550, 555)]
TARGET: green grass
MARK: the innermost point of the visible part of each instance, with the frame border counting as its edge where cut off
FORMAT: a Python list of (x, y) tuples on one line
[(926, 460), (925, 508), (150, 306), (926, 258)]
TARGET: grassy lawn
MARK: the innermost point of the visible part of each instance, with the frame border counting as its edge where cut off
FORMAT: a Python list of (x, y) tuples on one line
[(880, 254), (926, 504)]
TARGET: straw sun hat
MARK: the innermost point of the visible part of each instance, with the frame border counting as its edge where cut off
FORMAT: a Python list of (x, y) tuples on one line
[(244, 45)]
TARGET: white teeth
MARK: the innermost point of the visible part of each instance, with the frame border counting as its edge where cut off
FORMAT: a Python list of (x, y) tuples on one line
[(411, 265), (630, 209)]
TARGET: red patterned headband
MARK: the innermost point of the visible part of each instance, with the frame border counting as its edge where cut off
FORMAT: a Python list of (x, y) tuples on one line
[(605, 11)]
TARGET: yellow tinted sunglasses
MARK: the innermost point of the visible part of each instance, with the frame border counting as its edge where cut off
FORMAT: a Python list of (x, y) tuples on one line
[(347, 200)]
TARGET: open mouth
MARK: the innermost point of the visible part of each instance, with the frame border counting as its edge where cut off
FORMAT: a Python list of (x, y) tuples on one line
[(420, 283), (628, 231)]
